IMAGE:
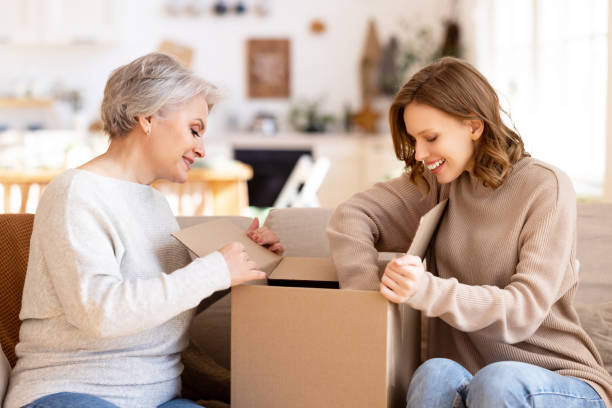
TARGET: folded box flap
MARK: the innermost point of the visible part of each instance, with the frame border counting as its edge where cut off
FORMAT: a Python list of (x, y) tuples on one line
[(305, 273), (305, 269)]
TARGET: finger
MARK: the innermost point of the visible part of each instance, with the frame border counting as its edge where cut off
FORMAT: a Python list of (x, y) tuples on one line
[(407, 271), (251, 265), (267, 237), (237, 246), (253, 227), (404, 283), (390, 283), (408, 260), (390, 295), (256, 275), (277, 248)]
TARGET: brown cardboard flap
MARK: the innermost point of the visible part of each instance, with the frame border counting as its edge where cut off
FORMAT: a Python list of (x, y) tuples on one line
[(427, 226), (202, 239)]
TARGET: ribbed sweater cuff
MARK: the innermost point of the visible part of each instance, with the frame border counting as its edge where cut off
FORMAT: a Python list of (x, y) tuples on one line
[(417, 300)]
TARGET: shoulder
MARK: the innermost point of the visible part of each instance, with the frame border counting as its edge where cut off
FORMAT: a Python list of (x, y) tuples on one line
[(535, 175), (403, 186), (62, 187), (542, 185)]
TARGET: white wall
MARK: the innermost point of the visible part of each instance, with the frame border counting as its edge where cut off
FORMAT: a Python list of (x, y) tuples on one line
[(324, 66)]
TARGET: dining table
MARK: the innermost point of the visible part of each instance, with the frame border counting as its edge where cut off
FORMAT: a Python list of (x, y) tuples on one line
[(220, 189)]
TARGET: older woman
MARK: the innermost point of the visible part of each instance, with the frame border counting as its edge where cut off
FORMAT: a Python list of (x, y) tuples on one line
[(109, 294)]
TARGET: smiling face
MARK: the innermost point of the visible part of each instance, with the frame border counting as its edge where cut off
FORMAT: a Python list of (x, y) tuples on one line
[(445, 144), (176, 141)]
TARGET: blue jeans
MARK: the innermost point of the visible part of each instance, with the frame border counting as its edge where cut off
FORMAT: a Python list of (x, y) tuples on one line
[(443, 383), (76, 400)]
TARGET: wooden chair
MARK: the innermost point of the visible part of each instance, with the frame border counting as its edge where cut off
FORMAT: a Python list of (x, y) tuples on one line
[(15, 232), (302, 185)]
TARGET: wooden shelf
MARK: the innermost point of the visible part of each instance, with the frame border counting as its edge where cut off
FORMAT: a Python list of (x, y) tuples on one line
[(25, 103)]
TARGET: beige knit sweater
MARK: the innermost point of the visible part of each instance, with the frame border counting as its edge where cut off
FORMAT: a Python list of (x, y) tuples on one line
[(502, 273)]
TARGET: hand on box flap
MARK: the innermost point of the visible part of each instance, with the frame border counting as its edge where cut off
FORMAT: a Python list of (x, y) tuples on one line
[(202, 239), (265, 237)]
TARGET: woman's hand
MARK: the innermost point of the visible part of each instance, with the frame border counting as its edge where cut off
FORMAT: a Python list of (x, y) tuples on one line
[(264, 237), (241, 268), (402, 278)]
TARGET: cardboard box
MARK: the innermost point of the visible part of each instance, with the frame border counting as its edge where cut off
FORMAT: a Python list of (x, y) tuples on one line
[(318, 347), (299, 341)]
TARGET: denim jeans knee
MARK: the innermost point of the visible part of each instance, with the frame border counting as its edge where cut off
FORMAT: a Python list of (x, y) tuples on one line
[(516, 384), (437, 383), (498, 384)]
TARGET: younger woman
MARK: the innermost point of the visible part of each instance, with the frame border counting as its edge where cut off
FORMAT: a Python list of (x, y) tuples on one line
[(502, 274)]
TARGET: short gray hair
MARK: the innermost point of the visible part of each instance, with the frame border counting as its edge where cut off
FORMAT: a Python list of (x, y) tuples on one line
[(149, 85)]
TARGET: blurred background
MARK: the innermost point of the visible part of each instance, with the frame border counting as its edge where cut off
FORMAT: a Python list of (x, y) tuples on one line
[(307, 87)]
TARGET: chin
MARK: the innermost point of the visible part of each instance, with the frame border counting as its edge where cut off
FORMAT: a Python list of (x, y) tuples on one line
[(445, 179), (180, 179), (180, 174)]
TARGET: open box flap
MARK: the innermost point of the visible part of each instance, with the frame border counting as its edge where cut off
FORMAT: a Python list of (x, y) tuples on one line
[(427, 226), (202, 239)]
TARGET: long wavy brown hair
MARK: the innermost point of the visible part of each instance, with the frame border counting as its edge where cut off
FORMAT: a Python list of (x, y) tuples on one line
[(458, 89)]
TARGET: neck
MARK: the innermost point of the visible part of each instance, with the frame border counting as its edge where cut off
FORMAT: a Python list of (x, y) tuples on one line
[(126, 159)]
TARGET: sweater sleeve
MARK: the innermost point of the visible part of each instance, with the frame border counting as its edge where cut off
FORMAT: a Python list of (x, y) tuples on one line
[(83, 260), (383, 218), (545, 271)]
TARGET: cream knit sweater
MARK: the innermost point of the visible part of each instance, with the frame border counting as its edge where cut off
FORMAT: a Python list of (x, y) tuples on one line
[(502, 273), (108, 295)]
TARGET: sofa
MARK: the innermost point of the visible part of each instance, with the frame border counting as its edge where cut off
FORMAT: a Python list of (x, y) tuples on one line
[(302, 233)]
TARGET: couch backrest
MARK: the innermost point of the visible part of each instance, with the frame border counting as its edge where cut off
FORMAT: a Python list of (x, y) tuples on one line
[(301, 230), (594, 251), (15, 232), (188, 221)]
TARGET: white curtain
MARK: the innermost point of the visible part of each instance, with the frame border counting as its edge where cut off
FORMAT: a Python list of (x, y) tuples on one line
[(548, 61)]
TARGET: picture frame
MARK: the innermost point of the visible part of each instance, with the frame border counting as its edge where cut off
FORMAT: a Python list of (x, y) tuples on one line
[(268, 68)]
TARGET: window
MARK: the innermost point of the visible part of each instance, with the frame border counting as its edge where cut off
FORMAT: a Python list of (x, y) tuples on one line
[(548, 61)]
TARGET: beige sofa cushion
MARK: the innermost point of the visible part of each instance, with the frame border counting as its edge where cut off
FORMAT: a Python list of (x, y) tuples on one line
[(597, 321), (594, 297), (594, 250)]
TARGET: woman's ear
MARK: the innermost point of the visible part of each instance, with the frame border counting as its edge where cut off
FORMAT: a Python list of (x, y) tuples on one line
[(145, 124), (476, 127)]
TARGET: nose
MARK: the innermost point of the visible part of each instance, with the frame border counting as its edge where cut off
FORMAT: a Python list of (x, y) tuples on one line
[(199, 149), (420, 152)]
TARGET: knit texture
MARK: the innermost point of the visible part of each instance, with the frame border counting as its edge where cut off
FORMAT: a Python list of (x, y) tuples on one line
[(501, 272), (15, 230), (108, 295)]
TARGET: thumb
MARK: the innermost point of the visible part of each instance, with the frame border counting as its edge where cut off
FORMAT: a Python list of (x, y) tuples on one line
[(254, 225)]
